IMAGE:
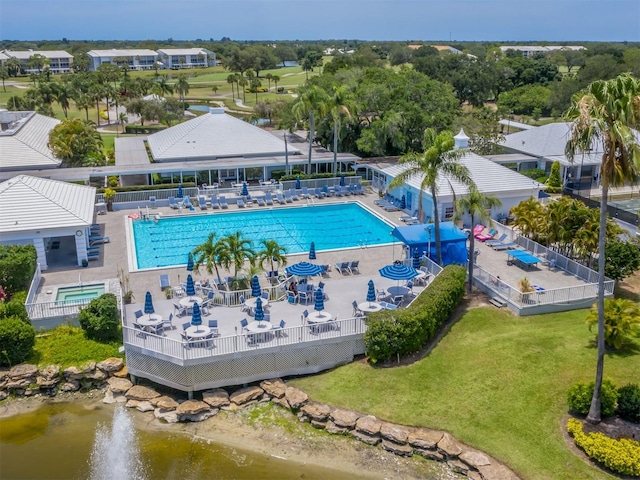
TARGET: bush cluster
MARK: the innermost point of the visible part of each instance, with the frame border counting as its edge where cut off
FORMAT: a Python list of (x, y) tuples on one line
[(579, 398), (17, 339), (100, 318), (17, 267), (401, 332), (629, 402), (621, 456)]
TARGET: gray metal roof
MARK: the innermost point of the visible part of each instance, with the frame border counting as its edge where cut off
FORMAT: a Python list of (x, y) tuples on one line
[(30, 203), (183, 51), (490, 178), (131, 151), (25, 145), (214, 135), (27, 54), (114, 52)]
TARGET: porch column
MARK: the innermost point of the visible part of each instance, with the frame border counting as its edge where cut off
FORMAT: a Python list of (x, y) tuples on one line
[(81, 246), (42, 252)]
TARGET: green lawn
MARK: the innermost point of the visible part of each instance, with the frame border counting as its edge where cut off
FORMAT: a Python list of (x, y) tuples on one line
[(496, 381)]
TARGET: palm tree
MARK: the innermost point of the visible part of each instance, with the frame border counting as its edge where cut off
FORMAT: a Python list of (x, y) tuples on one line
[(607, 111), (275, 79), (239, 249), (182, 88), (123, 119), (83, 102), (273, 252), (162, 86), (269, 77), (310, 101), (242, 82), (340, 104), (438, 159), (62, 92), (232, 79), (476, 204), (212, 253), (4, 74), (622, 319), (255, 84)]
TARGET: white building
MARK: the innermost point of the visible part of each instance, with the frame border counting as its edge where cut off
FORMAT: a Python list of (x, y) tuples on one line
[(531, 50), (24, 138), (58, 61), (136, 59), (176, 58)]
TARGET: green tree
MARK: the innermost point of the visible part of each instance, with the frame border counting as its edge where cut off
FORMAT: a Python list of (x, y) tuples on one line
[(437, 159), (622, 258), (4, 74), (17, 267), (478, 206), (17, 339), (310, 101), (271, 251), (76, 143), (621, 321), (162, 87), (232, 78), (554, 182), (14, 65), (63, 93), (339, 105), (607, 112), (211, 253), (182, 88), (239, 249), (101, 319)]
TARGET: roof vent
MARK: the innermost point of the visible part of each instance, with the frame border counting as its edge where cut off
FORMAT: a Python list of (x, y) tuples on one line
[(216, 110)]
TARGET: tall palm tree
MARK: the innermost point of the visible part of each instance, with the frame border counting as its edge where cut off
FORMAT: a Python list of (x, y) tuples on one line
[(162, 86), (239, 249), (242, 82), (438, 159), (211, 253), (340, 104), (311, 100), (475, 204), (63, 92), (273, 252), (232, 79), (182, 88), (606, 112)]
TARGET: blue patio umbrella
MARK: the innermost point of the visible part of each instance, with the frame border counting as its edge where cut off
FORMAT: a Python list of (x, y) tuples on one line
[(297, 183), (191, 289), (403, 203), (180, 195), (304, 269), (319, 305), (371, 292), (255, 286), (342, 180), (245, 190), (398, 271), (190, 263), (196, 316), (148, 304), (258, 315), (312, 251), (416, 259)]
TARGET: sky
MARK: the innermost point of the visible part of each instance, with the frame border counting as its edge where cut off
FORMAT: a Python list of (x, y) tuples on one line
[(444, 20)]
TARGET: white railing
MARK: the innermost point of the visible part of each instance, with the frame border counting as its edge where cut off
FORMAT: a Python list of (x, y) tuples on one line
[(231, 298), (142, 196), (242, 342), (33, 288), (321, 182)]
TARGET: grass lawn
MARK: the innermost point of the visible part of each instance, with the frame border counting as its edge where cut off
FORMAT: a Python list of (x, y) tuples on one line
[(496, 381), (67, 346)]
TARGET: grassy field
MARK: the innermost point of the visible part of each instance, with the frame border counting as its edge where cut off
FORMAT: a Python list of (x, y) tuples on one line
[(496, 381)]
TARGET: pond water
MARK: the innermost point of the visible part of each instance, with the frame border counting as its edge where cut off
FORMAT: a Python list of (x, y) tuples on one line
[(56, 441)]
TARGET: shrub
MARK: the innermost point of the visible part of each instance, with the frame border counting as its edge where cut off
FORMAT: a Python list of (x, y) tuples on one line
[(17, 339), (579, 398), (621, 456), (17, 266), (15, 308), (401, 332), (100, 319), (629, 402)]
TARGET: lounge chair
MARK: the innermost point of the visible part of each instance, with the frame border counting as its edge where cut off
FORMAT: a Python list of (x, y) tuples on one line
[(502, 239), (186, 203), (202, 202), (478, 229), (223, 202), (268, 198), (260, 201), (504, 246), (241, 203), (413, 216), (326, 191), (172, 203), (359, 190), (305, 193), (483, 237), (214, 202), (342, 267), (152, 202), (164, 281), (391, 208), (388, 306), (98, 240), (326, 270), (287, 196), (318, 193), (280, 199), (353, 267), (294, 195)]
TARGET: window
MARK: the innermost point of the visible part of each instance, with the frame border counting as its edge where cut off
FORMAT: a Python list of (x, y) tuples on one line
[(448, 213)]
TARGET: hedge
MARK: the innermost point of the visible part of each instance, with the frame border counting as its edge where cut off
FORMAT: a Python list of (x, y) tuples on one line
[(17, 339), (17, 267), (621, 456), (144, 129), (101, 319), (629, 402), (402, 332)]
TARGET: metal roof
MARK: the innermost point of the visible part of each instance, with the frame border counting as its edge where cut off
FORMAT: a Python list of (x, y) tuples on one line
[(25, 145), (489, 177), (184, 51), (131, 151), (214, 135), (114, 52), (30, 203), (27, 54)]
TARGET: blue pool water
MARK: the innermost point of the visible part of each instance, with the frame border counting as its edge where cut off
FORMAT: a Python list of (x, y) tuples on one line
[(168, 242)]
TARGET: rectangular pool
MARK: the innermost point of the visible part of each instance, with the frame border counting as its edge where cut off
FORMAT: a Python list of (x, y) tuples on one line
[(168, 241), (79, 293)]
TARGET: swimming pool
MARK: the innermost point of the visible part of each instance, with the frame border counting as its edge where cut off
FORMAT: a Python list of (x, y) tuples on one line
[(168, 241), (79, 293)]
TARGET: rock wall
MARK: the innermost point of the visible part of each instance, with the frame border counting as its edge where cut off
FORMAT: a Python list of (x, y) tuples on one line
[(111, 376)]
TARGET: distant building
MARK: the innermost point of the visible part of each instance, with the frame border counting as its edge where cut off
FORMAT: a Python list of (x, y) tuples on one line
[(136, 59), (447, 48), (531, 50), (186, 58), (24, 138), (59, 61)]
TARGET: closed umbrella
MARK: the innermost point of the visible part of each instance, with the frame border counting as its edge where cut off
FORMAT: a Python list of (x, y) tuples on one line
[(304, 269), (191, 289), (371, 292), (148, 304), (319, 305), (245, 190), (297, 183), (312, 251), (342, 180), (403, 203), (416, 259), (180, 195), (255, 286), (398, 271), (190, 263), (258, 315), (196, 317)]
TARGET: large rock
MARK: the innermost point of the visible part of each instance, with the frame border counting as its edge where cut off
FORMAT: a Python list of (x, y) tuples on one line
[(246, 395), (192, 407), (496, 472), (316, 411), (449, 446), (318, 424), (296, 397), (24, 370), (74, 373), (111, 365), (344, 418), (403, 450), (366, 438), (169, 416), (274, 387), (166, 403), (424, 438), (429, 454), (393, 432), (458, 466), (333, 428), (19, 383), (281, 401), (49, 376), (474, 458), (119, 385), (217, 397), (140, 392), (142, 406), (122, 373), (70, 386), (369, 425), (97, 375)]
